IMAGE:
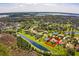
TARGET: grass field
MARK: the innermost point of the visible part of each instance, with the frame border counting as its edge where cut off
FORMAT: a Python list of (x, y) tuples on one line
[(57, 50)]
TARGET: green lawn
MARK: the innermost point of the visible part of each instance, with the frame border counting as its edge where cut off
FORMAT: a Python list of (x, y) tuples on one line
[(76, 53), (57, 50)]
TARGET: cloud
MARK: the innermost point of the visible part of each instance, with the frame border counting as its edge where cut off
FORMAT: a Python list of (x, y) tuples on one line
[(40, 7)]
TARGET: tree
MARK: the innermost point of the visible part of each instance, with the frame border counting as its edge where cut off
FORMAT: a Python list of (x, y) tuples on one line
[(3, 50)]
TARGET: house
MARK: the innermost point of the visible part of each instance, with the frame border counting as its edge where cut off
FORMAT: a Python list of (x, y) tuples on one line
[(53, 41)]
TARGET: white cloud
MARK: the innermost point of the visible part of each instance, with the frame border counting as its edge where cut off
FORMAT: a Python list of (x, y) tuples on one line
[(41, 7)]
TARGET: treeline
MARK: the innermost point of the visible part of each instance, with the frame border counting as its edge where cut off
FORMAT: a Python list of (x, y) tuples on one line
[(52, 19)]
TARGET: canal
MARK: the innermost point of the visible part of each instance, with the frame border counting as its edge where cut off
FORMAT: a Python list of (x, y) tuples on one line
[(34, 43)]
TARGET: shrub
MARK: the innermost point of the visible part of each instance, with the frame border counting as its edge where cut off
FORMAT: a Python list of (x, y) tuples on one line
[(3, 50)]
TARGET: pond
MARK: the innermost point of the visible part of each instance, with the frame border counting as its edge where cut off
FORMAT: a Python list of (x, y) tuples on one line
[(34, 43), (70, 32), (66, 32)]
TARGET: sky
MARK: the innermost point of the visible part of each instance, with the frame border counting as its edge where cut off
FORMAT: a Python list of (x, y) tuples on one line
[(39, 7)]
